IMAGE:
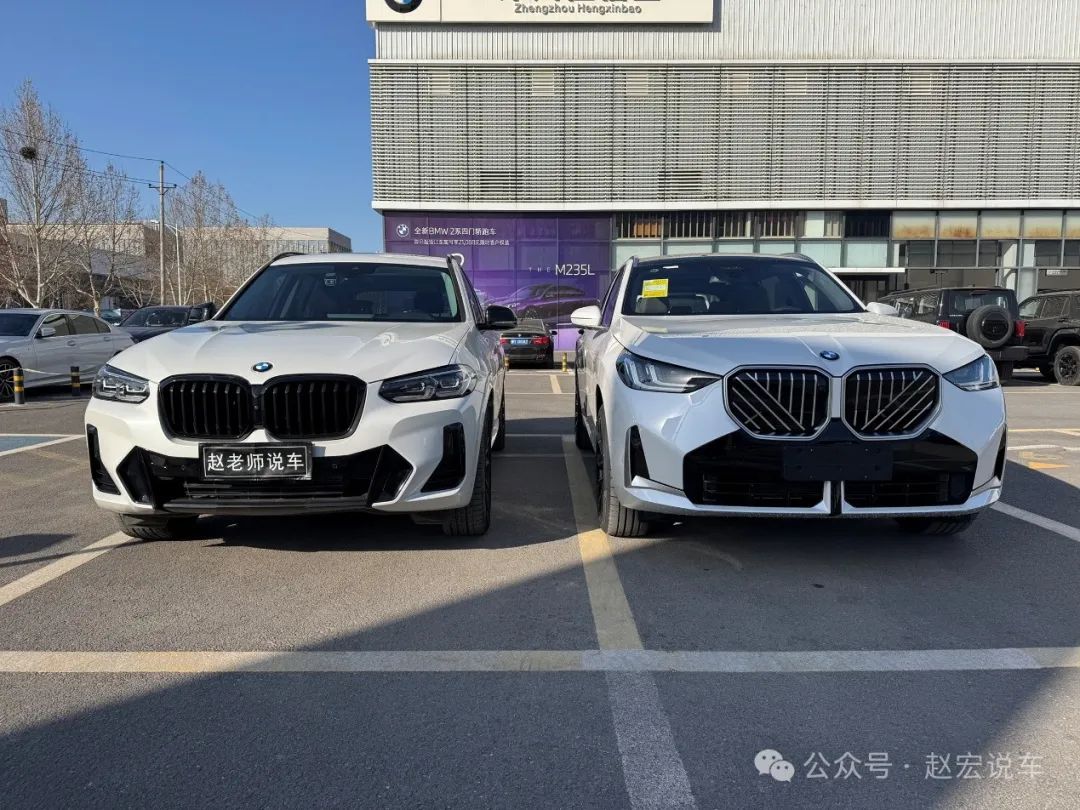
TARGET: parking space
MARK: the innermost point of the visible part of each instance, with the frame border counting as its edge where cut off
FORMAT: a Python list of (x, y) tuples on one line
[(373, 662)]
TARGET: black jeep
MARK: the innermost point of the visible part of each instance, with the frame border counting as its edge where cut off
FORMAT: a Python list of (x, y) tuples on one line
[(987, 315), (1053, 334)]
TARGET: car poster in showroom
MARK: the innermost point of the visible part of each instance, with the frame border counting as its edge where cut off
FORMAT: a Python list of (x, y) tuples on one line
[(540, 266)]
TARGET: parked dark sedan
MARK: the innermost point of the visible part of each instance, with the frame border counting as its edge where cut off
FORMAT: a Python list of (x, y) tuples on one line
[(529, 342), (150, 322)]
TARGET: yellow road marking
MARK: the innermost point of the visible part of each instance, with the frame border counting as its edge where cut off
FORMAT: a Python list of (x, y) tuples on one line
[(615, 626), (1042, 465)]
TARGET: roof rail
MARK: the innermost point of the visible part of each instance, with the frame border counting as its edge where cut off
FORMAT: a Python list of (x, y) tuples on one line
[(284, 255)]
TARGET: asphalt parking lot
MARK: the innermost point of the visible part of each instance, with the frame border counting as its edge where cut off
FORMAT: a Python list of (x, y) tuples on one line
[(352, 661)]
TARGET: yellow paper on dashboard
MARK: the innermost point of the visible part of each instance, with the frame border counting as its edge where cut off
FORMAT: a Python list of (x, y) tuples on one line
[(655, 288)]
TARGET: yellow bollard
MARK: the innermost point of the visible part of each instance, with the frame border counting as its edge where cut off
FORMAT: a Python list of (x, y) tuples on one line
[(76, 383), (506, 362), (19, 388), (565, 367)]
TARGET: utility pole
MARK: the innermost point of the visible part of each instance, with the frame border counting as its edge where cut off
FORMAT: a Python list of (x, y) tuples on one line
[(162, 187)]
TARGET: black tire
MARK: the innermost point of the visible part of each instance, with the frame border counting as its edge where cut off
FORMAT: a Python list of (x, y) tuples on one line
[(500, 437), (615, 519), (474, 519), (177, 528), (1005, 371), (550, 362), (977, 321), (1048, 373), (581, 433), (936, 526), (7, 379), (1067, 365)]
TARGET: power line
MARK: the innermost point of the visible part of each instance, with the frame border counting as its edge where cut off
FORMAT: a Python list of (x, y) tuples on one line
[(81, 148)]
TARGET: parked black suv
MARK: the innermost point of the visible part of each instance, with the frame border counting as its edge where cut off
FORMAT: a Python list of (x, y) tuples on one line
[(987, 315), (1053, 334)]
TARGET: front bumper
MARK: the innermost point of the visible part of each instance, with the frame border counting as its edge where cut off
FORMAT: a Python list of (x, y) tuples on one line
[(684, 455), (392, 462)]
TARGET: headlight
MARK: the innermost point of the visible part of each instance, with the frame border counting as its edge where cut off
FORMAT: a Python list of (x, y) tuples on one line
[(449, 382), (643, 374), (980, 375), (119, 386)]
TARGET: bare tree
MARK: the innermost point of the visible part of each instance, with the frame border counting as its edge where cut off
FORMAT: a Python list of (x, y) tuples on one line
[(40, 163), (220, 248), (107, 235)]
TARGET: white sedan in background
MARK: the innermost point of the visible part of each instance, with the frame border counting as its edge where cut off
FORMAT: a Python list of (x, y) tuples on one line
[(759, 385), (46, 343)]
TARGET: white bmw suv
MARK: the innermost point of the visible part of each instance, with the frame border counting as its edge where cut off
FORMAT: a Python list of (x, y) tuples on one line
[(760, 385), (331, 383)]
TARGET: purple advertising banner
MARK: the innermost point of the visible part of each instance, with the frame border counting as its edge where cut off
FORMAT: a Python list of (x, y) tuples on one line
[(540, 266)]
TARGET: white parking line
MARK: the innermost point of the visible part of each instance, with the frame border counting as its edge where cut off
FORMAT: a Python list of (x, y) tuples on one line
[(555, 389), (639, 662), (1063, 529), (57, 568), (653, 771), (39, 445)]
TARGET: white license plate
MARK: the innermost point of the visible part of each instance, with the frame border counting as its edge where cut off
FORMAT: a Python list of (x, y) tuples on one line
[(256, 461)]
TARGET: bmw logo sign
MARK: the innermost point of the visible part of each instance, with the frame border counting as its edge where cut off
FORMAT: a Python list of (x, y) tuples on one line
[(404, 6), (262, 367), (827, 355), (402, 230)]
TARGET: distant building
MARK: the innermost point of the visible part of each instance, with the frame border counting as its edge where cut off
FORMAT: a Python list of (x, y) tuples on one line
[(305, 240)]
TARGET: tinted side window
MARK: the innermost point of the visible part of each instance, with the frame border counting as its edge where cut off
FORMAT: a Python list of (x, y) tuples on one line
[(84, 325), (1030, 308), (927, 304), (59, 323), (609, 302), (1053, 307), (102, 326)]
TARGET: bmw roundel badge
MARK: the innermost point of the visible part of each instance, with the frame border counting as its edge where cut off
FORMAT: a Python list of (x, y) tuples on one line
[(830, 355), (262, 367), (404, 6)]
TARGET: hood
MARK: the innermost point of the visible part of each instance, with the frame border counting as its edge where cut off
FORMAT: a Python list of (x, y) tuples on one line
[(370, 351), (720, 344)]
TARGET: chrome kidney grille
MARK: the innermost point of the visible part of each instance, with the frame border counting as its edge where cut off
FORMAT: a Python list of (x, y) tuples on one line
[(890, 401), (779, 403)]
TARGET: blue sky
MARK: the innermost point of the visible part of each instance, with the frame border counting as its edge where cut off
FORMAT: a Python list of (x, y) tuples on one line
[(269, 98)]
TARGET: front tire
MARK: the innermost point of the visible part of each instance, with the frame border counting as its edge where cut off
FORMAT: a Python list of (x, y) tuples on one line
[(581, 433), (175, 528), (7, 379), (500, 437), (615, 519), (1067, 365), (474, 519), (936, 526)]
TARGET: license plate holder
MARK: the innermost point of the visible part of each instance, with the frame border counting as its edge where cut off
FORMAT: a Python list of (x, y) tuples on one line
[(519, 341), (255, 462), (832, 463)]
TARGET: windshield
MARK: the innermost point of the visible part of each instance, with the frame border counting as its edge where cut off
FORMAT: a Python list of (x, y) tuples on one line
[(961, 303), (16, 324), (722, 286), (157, 316), (348, 292)]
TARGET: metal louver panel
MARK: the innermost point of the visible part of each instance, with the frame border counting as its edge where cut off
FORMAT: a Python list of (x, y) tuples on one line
[(779, 403), (566, 136), (890, 401)]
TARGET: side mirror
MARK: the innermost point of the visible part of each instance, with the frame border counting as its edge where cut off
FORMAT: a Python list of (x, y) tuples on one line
[(877, 308), (46, 332), (586, 317), (500, 318)]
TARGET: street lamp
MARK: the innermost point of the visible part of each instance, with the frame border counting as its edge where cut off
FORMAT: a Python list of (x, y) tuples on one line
[(179, 265)]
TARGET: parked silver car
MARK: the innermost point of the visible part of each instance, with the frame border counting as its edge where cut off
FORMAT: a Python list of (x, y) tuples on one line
[(46, 343)]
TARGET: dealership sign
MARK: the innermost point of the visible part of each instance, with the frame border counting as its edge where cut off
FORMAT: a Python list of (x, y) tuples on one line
[(541, 11)]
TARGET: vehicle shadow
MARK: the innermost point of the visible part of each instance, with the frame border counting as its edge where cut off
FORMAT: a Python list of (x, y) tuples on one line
[(19, 545)]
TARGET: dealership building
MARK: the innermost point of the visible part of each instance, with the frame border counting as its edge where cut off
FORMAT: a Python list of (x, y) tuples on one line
[(903, 143)]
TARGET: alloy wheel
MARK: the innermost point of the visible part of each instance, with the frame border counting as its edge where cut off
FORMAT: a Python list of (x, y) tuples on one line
[(7, 382)]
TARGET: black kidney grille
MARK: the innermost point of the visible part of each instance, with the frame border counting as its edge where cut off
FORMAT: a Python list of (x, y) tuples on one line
[(312, 408), (289, 408), (207, 408), (790, 403), (890, 401)]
